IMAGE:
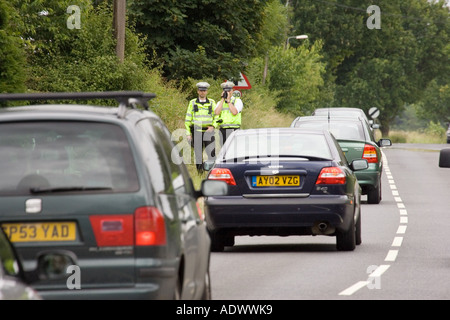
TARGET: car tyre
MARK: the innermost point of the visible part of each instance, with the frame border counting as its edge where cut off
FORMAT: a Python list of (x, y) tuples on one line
[(358, 239), (217, 242), (374, 195), (346, 240)]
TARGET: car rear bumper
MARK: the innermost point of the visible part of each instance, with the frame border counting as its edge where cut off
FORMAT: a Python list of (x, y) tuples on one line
[(157, 284), (288, 216), (369, 178)]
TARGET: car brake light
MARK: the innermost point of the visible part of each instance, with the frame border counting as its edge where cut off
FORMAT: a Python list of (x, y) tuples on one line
[(370, 154), (331, 175), (146, 228), (113, 230), (222, 174), (150, 227)]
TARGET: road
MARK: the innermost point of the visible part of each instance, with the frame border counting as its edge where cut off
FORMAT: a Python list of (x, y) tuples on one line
[(405, 252)]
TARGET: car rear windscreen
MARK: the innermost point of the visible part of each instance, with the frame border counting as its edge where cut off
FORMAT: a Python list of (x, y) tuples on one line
[(342, 130), (272, 143), (65, 156)]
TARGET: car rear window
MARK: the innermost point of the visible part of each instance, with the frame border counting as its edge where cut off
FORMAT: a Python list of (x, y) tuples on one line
[(65, 156), (340, 129), (272, 144)]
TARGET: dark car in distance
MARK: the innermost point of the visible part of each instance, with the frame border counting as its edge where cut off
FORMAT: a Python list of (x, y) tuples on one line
[(284, 181), (357, 141), (104, 185)]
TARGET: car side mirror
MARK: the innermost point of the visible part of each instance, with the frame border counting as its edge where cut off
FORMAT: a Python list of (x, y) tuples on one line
[(359, 164), (444, 158), (384, 143), (375, 126)]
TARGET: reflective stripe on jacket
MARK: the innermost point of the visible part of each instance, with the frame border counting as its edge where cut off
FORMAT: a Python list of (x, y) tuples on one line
[(229, 120), (199, 115)]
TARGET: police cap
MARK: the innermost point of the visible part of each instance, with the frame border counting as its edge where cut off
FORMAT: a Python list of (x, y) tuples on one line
[(203, 85), (227, 86)]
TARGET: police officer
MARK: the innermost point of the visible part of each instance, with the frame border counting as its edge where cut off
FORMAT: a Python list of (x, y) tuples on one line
[(199, 123), (228, 110)]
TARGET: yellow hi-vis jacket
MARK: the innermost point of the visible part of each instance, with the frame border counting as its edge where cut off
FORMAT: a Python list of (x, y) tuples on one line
[(229, 120), (199, 115)]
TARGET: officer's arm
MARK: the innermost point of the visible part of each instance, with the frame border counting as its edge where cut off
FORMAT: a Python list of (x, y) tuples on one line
[(188, 119), (233, 108)]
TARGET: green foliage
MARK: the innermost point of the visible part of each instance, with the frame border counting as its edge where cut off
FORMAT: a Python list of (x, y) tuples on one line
[(84, 59), (295, 77), (198, 38), (12, 58), (435, 129), (387, 67)]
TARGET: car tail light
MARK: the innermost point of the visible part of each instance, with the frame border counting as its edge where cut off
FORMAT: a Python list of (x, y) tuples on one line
[(331, 175), (145, 228), (222, 174), (113, 230), (150, 227), (370, 154)]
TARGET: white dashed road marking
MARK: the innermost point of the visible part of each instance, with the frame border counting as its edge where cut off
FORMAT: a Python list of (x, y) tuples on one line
[(396, 243)]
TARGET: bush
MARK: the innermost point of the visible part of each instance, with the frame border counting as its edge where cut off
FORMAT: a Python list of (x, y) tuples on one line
[(12, 58)]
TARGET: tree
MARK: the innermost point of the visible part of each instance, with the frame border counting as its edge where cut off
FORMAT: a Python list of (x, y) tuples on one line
[(12, 58), (199, 38), (294, 77), (78, 59), (387, 67)]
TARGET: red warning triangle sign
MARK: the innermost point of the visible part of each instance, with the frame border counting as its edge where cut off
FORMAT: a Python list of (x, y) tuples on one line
[(243, 83)]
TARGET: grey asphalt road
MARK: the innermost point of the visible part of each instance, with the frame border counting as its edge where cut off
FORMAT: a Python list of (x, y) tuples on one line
[(405, 252)]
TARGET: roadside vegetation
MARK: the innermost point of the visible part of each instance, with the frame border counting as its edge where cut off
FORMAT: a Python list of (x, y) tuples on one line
[(401, 68)]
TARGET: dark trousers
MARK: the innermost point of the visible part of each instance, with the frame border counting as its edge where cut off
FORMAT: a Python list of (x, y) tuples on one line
[(225, 133), (204, 140)]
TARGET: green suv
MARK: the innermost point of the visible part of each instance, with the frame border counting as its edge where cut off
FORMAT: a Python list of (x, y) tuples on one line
[(105, 187)]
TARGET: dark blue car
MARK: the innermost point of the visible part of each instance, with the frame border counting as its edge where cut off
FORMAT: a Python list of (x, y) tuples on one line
[(284, 181)]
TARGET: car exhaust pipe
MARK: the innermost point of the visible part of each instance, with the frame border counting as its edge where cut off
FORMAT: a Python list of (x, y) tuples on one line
[(322, 228)]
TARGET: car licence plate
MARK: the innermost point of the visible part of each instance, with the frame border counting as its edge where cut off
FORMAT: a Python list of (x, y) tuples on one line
[(275, 181), (40, 231)]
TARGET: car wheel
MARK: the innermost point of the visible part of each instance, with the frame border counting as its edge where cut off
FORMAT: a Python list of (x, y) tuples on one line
[(358, 239), (346, 240), (374, 195), (217, 242), (228, 241), (207, 289)]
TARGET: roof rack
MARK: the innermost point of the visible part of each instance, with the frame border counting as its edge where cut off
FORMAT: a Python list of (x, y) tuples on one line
[(125, 98)]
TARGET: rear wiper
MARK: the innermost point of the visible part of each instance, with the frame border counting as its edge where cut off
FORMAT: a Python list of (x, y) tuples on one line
[(67, 189)]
